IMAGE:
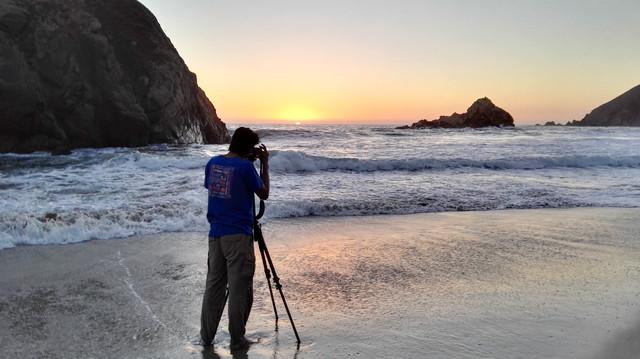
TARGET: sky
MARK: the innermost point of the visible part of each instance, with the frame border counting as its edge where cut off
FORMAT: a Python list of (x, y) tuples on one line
[(374, 61)]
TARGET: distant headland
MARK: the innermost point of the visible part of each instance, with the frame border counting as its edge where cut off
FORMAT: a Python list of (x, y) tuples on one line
[(95, 73), (623, 111), (482, 113)]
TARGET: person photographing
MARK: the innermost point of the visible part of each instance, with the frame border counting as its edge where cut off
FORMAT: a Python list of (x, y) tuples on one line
[(232, 181)]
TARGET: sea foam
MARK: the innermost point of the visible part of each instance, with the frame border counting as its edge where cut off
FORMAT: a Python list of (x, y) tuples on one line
[(296, 161), (319, 171)]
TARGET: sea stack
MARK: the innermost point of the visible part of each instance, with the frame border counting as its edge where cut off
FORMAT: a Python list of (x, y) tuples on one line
[(94, 73), (482, 113), (623, 110)]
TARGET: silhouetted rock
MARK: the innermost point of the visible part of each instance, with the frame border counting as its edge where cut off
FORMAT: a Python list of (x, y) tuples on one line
[(94, 73), (552, 123), (482, 113), (623, 110)]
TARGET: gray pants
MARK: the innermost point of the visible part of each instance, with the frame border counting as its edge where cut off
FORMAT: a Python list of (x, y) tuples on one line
[(231, 260)]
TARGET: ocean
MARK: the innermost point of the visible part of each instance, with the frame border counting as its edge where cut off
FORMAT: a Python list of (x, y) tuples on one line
[(324, 170)]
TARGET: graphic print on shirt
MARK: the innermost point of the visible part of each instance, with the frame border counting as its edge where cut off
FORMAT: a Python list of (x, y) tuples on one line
[(220, 181)]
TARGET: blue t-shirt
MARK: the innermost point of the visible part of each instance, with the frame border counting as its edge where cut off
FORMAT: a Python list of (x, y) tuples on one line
[(231, 182)]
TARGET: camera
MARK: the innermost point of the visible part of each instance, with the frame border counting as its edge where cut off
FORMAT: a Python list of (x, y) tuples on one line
[(254, 153)]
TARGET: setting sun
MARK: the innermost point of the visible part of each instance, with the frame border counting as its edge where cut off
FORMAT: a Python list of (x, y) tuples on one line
[(297, 114)]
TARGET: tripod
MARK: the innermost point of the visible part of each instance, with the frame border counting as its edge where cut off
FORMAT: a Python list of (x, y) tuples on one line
[(267, 264), (269, 269)]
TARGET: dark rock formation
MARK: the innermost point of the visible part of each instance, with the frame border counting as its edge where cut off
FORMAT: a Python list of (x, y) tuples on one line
[(94, 73), (552, 123), (483, 113), (623, 110)]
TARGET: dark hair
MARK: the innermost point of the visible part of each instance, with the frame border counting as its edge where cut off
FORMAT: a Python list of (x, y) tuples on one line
[(243, 140)]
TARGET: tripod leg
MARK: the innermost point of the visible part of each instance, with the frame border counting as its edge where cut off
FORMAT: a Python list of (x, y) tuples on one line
[(286, 307), (264, 254), (267, 273), (276, 280)]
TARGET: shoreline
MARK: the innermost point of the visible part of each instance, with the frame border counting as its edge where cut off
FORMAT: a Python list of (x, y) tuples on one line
[(551, 283), (321, 217)]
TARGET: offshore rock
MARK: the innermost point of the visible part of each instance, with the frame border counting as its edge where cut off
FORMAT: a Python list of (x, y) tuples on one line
[(482, 113), (623, 110), (94, 73)]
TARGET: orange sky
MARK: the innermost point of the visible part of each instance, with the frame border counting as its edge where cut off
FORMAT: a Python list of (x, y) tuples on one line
[(375, 62)]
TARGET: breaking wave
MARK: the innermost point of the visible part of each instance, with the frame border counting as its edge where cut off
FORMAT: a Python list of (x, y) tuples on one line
[(187, 215), (318, 171), (294, 161)]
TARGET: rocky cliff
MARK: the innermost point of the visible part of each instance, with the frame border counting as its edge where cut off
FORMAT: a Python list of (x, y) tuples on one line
[(94, 73), (482, 113), (623, 110)]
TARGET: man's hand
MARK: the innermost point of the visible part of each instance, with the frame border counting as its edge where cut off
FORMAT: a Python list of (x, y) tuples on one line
[(264, 153), (263, 193)]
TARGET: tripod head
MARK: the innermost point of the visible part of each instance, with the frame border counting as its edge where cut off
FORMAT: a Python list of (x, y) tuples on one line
[(262, 205), (260, 210)]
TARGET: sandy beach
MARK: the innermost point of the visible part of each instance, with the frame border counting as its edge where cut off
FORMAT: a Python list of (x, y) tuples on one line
[(443, 179), (500, 284)]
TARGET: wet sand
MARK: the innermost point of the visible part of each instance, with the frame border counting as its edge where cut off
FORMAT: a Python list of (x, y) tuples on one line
[(499, 284)]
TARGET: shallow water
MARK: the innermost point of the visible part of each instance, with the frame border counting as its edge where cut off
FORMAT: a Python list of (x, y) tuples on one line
[(320, 171)]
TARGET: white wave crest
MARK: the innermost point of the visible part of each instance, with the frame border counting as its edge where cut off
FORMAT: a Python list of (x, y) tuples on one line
[(296, 133), (294, 161), (72, 227)]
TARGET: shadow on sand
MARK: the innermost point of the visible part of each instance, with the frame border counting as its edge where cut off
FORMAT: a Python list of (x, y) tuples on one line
[(623, 345)]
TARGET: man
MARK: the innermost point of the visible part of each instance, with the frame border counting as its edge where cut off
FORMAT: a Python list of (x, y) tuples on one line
[(232, 181)]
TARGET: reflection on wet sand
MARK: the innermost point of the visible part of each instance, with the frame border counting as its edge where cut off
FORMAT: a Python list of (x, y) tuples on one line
[(209, 352), (530, 283)]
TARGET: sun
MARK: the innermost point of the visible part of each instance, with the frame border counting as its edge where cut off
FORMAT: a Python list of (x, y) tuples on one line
[(298, 114)]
